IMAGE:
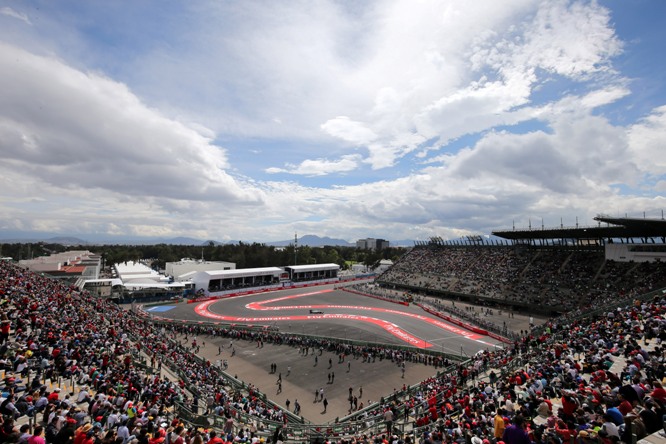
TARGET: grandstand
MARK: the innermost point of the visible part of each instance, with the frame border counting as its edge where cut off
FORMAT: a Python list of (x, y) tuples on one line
[(544, 271)]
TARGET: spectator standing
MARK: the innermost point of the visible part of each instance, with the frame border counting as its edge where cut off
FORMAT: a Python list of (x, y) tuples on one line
[(515, 433)]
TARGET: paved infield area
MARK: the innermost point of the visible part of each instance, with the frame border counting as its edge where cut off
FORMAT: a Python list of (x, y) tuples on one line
[(345, 315)]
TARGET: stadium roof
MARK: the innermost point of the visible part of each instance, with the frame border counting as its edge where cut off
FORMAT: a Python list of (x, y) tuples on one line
[(615, 228)]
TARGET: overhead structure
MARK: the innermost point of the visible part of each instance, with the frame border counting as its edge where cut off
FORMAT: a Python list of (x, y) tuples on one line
[(312, 272), (216, 281), (622, 230)]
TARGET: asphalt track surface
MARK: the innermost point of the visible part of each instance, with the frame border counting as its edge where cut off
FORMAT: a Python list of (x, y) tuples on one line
[(345, 315)]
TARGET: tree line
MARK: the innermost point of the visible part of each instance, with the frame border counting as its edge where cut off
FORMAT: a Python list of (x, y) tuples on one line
[(244, 255)]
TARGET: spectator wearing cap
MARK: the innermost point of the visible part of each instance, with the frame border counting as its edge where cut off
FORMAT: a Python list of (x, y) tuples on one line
[(79, 415), (81, 432), (585, 436), (89, 438), (658, 392)]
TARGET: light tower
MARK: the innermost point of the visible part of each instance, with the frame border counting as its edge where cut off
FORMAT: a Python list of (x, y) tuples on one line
[(295, 248)]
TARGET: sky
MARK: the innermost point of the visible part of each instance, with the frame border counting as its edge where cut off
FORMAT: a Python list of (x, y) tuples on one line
[(258, 120)]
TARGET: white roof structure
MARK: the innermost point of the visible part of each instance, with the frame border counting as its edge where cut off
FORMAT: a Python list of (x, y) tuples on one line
[(136, 271), (314, 267), (178, 269), (129, 268), (241, 272)]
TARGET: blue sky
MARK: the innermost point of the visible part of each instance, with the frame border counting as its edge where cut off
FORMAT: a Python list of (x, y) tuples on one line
[(256, 120)]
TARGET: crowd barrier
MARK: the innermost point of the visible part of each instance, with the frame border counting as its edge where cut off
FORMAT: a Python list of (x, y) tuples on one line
[(405, 303)]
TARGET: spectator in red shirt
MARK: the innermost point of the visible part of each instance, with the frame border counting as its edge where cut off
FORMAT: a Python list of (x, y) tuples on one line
[(214, 439), (658, 393), (54, 396)]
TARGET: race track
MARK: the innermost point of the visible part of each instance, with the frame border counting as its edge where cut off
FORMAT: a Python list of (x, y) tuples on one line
[(345, 315)]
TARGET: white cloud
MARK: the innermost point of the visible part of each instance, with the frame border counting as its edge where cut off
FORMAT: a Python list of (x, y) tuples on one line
[(5, 10), (647, 139), (320, 167), (346, 129), (86, 130)]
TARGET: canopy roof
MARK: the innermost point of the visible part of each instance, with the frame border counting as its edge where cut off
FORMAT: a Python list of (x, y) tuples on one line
[(617, 228)]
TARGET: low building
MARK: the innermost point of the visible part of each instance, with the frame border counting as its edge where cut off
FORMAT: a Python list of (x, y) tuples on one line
[(69, 266), (178, 270)]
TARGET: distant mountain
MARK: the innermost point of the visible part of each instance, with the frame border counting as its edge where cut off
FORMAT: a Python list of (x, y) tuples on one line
[(309, 240), (62, 240), (67, 241), (150, 241), (312, 240)]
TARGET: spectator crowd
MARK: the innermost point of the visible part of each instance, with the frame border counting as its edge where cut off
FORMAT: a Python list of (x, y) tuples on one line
[(555, 278)]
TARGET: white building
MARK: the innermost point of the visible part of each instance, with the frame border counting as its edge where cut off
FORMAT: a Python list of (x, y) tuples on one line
[(178, 270), (217, 281)]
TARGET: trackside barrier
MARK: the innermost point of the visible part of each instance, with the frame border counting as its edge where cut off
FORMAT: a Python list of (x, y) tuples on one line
[(270, 288), (273, 330), (360, 293), (258, 290), (455, 321), (471, 298)]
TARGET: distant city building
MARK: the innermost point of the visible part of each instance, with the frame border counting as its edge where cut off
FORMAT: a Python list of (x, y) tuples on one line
[(372, 244)]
